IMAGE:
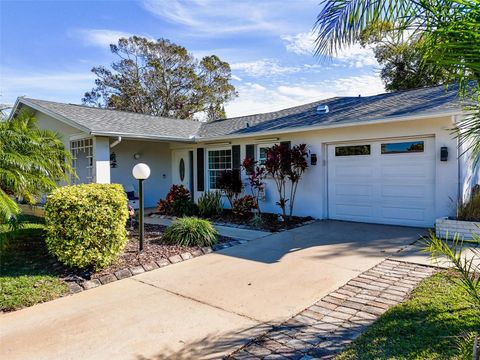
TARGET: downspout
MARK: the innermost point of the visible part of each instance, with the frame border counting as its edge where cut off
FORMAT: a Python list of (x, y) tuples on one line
[(116, 142)]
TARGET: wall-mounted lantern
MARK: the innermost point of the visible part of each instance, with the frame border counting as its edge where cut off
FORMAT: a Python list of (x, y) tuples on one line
[(113, 160), (313, 159), (443, 153)]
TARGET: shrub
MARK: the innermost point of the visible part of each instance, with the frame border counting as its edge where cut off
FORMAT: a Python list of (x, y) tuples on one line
[(177, 203), (255, 174), (470, 210), (243, 206), (210, 204), (230, 183), (191, 231), (85, 224)]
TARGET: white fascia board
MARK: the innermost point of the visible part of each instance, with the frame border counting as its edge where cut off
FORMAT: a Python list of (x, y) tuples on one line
[(332, 126), (143, 136), (52, 114)]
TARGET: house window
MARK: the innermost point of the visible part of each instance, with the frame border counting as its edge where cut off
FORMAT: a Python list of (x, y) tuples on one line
[(262, 153), (352, 150), (403, 147), (218, 162)]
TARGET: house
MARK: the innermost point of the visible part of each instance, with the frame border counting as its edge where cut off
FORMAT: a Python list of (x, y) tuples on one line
[(390, 158)]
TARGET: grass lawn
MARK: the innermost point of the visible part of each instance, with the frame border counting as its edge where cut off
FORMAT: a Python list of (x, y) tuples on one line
[(430, 325), (27, 274)]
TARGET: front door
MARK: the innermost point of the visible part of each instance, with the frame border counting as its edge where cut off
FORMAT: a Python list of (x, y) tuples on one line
[(181, 168)]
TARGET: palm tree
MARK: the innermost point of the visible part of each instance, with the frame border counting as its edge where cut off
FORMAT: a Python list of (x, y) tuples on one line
[(32, 162), (449, 30)]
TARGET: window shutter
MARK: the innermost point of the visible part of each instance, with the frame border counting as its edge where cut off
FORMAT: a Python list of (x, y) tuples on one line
[(250, 154), (200, 169), (288, 144), (236, 157), (250, 151)]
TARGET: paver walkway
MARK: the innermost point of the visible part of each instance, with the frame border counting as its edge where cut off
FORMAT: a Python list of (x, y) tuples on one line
[(325, 328)]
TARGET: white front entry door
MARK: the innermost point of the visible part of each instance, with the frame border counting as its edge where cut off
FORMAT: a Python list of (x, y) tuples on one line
[(386, 182), (181, 168)]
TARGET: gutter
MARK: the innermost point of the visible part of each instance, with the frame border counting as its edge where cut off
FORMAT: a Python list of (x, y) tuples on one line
[(116, 142)]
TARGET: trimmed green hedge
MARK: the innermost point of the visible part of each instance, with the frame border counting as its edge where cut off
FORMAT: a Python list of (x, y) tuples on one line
[(85, 224)]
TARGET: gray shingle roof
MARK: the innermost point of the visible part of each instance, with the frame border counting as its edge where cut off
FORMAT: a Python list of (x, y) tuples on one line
[(342, 110), (120, 122)]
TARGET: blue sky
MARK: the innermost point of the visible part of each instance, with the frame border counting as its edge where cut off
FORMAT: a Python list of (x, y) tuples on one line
[(47, 48)]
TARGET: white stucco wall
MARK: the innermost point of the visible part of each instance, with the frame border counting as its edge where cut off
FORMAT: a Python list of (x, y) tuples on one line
[(157, 155), (311, 199), (64, 130)]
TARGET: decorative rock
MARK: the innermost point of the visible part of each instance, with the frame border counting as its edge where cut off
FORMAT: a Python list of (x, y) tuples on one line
[(90, 284), (207, 249), (163, 262), (196, 252), (186, 256), (150, 266), (137, 270), (175, 259), (105, 279), (123, 274), (74, 287)]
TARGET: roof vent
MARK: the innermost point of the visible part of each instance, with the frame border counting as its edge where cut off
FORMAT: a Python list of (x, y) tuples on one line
[(322, 109)]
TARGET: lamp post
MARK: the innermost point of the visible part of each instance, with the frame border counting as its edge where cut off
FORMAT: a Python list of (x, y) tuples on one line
[(141, 172)]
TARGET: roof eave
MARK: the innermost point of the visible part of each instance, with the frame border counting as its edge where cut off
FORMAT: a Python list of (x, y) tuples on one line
[(49, 112), (144, 136), (333, 126)]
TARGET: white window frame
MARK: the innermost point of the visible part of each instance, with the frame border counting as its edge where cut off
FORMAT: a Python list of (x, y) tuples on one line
[(207, 165), (257, 151)]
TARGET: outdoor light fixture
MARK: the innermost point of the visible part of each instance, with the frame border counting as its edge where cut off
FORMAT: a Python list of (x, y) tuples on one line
[(141, 172), (443, 153), (136, 156), (313, 159)]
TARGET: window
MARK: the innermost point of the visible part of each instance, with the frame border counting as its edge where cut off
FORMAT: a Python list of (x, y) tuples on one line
[(352, 150), (262, 153), (218, 161), (403, 147)]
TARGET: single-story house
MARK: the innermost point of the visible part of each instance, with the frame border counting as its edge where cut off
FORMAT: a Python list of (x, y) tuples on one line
[(391, 158)]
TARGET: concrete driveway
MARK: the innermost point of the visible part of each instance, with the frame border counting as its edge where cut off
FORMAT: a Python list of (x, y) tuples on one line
[(205, 307)]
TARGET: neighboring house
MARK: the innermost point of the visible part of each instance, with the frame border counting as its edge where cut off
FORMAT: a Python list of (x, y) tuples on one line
[(379, 158)]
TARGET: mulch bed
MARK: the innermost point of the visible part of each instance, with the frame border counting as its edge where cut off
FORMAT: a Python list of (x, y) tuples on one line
[(271, 222), (154, 249)]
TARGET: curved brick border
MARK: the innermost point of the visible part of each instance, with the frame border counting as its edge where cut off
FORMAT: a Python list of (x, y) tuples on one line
[(77, 286), (322, 330)]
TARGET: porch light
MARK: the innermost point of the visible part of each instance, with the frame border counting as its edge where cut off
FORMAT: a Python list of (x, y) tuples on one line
[(141, 172)]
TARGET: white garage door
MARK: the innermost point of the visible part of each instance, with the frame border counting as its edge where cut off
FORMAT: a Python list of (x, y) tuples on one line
[(387, 182)]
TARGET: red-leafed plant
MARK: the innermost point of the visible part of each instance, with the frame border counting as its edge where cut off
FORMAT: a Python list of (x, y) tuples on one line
[(177, 202), (255, 174), (243, 206), (230, 184), (284, 165)]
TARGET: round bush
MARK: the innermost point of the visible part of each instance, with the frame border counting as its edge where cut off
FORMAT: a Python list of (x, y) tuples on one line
[(191, 231), (85, 224)]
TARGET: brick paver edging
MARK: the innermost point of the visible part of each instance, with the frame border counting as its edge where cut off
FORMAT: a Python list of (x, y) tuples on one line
[(325, 328), (77, 286)]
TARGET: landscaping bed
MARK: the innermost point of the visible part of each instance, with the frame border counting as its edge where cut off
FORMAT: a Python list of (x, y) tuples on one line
[(30, 275), (270, 222)]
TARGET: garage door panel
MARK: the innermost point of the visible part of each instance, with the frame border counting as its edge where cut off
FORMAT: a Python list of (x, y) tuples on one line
[(406, 191), (353, 190), (383, 188), (354, 210), (353, 170), (401, 214)]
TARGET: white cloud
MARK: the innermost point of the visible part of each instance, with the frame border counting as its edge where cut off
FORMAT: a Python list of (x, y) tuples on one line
[(354, 56), (263, 67), (215, 17), (254, 98), (357, 56), (101, 37), (301, 44)]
